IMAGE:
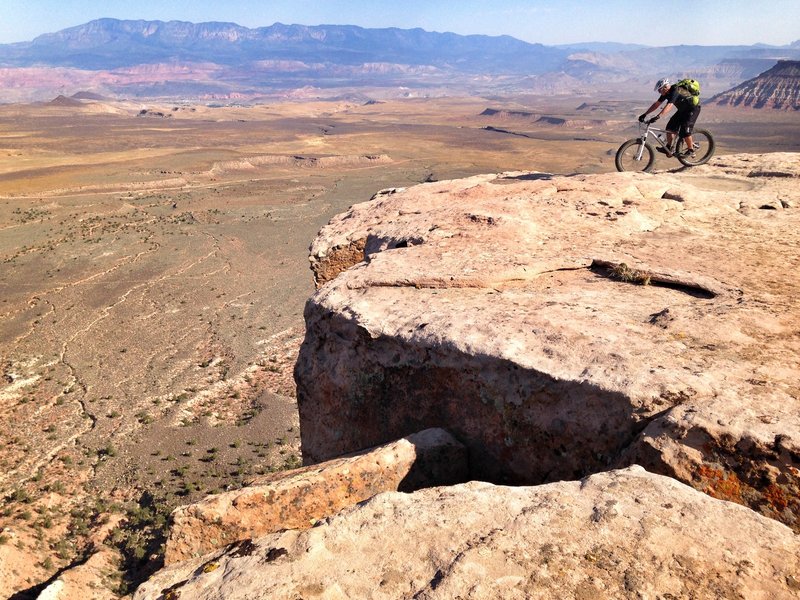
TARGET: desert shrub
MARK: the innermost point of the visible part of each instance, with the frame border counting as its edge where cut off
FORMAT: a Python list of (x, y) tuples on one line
[(109, 450), (141, 539), (144, 417), (292, 462), (56, 486), (623, 272), (19, 495), (63, 549)]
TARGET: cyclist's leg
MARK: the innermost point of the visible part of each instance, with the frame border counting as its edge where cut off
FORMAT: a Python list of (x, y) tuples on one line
[(687, 128), (673, 128)]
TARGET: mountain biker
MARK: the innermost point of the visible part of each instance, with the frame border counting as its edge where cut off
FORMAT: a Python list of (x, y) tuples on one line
[(682, 122)]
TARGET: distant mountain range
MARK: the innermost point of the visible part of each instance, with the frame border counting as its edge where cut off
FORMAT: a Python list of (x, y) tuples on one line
[(225, 60)]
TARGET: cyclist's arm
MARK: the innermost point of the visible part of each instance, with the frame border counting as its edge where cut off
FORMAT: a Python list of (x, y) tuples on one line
[(666, 109), (653, 106)]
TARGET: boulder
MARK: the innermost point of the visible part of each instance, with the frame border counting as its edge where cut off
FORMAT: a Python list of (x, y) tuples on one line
[(564, 325), (298, 499), (619, 534)]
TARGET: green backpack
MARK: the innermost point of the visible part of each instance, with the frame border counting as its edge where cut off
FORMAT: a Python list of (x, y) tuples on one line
[(692, 86)]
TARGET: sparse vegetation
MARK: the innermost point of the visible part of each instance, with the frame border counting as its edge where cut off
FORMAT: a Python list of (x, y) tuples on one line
[(144, 417), (108, 450), (623, 272), (141, 538)]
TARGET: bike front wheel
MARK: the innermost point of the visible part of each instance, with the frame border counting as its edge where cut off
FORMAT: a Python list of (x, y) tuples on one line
[(635, 155), (703, 149)]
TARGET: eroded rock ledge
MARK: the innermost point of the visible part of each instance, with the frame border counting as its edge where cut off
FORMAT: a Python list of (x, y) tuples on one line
[(509, 309), (298, 499), (621, 534)]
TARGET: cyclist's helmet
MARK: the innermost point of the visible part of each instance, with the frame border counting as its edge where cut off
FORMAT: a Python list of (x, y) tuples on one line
[(661, 83)]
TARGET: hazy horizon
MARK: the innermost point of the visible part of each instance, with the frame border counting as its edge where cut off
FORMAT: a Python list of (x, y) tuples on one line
[(549, 22)]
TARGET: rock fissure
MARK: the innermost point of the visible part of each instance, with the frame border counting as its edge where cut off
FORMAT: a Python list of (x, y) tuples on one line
[(622, 272), (39, 590), (336, 260)]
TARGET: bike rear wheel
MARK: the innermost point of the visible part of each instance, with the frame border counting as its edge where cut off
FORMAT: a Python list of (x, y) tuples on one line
[(631, 156), (703, 149)]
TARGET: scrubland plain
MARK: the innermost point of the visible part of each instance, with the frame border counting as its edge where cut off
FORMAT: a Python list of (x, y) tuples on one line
[(154, 272)]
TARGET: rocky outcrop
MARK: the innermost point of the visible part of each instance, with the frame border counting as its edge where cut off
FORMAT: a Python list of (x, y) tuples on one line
[(299, 498), (502, 113), (563, 328), (62, 100), (512, 310), (571, 123), (621, 534), (777, 88), (312, 162)]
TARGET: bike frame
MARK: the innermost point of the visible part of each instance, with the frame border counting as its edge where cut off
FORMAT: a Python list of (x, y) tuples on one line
[(649, 130), (638, 154)]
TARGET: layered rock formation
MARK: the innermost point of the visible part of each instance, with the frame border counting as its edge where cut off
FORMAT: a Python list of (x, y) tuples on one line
[(300, 498), (622, 534), (506, 309), (777, 88)]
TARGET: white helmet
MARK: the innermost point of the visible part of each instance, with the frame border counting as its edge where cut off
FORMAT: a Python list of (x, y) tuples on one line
[(662, 83)]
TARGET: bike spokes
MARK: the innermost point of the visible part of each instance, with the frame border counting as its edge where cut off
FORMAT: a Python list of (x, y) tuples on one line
[(635, 155), (702, 151)]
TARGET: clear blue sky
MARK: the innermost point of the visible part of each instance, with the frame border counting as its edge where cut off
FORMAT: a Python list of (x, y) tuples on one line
[(658, 23)]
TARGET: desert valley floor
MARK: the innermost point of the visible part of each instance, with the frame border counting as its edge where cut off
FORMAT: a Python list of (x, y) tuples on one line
[(155, 268)]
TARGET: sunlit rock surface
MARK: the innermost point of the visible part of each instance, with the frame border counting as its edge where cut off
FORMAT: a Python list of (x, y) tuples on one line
[(298, 499), (620, 534), (560, 326)]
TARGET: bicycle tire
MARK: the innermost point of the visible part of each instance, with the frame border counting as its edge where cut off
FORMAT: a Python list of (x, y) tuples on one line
[(625, 160), (701, 155)]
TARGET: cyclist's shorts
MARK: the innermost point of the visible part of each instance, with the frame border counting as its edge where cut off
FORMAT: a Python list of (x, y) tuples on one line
[(683, 121)]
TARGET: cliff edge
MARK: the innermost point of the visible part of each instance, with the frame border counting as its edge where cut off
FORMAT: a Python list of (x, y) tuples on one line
[(568, 331), (561, 326)]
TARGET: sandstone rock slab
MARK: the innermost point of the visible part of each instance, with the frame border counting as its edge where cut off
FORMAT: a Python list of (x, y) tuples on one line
[(298, 499), (509, 309), (620, 534)]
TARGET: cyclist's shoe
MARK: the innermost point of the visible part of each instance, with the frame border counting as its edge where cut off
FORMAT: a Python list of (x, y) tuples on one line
[(689, 152), (664, 151)]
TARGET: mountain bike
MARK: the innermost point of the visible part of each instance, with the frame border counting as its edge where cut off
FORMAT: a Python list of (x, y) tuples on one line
[(639, 154)]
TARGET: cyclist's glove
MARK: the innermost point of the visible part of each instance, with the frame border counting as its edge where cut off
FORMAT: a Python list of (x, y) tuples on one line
[(642, 117), (654, 119)]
